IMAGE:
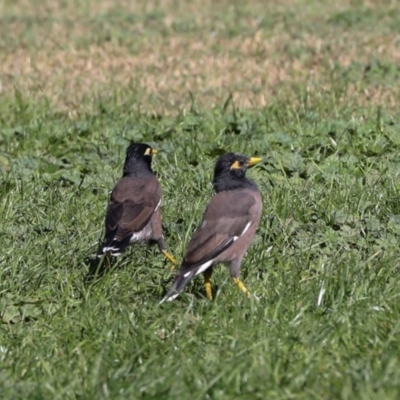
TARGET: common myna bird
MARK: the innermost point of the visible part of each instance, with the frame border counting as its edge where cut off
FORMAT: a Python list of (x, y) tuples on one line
[(134, 215), (228, 226)]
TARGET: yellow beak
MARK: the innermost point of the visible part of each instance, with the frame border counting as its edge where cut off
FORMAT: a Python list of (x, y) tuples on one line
[(154, 151), (254, 160)]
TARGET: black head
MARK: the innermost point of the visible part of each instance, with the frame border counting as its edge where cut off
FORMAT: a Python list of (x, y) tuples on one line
[(230, 172), (138, 159)]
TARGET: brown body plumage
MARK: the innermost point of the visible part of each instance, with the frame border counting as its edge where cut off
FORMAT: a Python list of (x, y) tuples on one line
[(228, 226), (134, 214)]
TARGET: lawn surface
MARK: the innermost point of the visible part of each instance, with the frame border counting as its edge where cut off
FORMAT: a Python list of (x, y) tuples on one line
[(313, 87)]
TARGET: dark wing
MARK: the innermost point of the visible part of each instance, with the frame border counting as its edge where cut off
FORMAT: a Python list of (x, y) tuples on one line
[(126, 218), (133, 202), (224, 220)]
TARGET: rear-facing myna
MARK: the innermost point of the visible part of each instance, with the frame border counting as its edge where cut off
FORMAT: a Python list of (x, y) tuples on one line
[(134, 215), (228, 226)]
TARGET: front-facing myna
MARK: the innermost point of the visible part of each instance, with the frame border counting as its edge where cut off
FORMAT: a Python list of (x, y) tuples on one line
[(228, 226), (133, 214)]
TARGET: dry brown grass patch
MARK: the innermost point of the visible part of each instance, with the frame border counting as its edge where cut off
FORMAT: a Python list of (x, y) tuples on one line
[(161, 71)]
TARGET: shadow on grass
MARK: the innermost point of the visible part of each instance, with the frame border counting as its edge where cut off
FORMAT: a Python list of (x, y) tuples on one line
[(98, 267)]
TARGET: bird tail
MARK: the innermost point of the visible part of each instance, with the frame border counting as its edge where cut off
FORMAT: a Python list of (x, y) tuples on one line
[(185, 274), (180, 282), (113, 247)]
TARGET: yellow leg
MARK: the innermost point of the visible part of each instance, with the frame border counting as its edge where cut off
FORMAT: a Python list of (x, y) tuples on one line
[(241, 286), (207, 284), (170, 258)]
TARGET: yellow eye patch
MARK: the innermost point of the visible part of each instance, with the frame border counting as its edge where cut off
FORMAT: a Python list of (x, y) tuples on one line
[(236, 165), (150, 152)]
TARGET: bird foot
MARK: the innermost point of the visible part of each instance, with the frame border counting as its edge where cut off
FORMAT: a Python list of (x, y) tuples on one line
[(242, 287), (170, 258)]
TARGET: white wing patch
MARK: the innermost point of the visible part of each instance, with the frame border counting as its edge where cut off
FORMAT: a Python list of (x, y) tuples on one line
[(158, 205), (202, 268), (245, 229)]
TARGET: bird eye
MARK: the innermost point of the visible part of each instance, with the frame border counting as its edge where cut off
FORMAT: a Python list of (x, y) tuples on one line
[(237, 165)]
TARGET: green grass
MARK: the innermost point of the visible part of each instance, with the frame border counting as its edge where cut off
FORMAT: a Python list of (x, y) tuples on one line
[(330, 212), (324, 321)]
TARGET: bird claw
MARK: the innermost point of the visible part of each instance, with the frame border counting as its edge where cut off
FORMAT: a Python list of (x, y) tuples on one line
[(242, 287), (170, 258)]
